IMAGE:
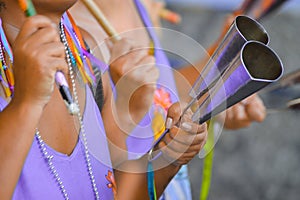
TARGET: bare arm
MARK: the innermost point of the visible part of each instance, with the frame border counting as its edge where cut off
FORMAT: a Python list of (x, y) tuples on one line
[(177, 147), (34, 71), (132, 179), (17, 127), (134, 75)]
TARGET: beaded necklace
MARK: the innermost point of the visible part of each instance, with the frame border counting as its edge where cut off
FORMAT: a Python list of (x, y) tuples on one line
[(72, 60), (6, 60)]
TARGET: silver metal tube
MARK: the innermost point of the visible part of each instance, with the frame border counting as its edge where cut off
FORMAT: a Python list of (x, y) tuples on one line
[(255, 67)]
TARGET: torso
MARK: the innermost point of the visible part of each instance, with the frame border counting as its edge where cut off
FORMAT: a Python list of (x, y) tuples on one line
[(64, 131), (36, 182), (60, 132), (134, 18), (63, 134)]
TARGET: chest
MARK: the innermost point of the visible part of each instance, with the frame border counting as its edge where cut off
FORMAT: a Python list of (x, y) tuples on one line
[(37, 182), (57, 127)]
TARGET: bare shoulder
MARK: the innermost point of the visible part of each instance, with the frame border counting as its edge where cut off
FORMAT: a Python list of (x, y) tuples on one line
[(98, 50), (91, 42)]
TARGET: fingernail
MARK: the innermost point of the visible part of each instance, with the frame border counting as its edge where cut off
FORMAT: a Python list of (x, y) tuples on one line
[(169, 123), (241, 112), (186, 126), (244, 102)]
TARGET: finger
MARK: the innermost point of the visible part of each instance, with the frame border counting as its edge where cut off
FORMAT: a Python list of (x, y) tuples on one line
[(45, 35), (175, 145), (232, 121), (120, 48), (256, 110), (34, 23), (109, 43), (176, 157), (169, 123), (174, 112), (131, 58), (193, 128), (240, 118), (185, 159), (138, 53), (168, 153), (239, 112), (188, 139), (58, 65), (146, 71), (54, 49), (229, 114)]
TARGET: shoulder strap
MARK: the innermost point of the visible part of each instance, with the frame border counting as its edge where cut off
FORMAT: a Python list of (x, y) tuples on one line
[(3, 103)]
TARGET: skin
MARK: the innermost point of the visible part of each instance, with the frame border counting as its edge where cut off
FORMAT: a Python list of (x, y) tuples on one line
[(179, 153), (30, 108), (38, 54), (239, 116), (180, 145)]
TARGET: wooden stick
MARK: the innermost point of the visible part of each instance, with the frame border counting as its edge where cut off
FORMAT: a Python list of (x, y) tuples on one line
[(101, 19)]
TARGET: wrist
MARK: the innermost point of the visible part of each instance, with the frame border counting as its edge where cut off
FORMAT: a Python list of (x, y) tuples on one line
[(160, 161), (127, 114), (27, 108)]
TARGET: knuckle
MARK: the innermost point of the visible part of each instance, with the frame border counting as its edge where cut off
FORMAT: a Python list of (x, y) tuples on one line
[(151, 59), (175, 109)]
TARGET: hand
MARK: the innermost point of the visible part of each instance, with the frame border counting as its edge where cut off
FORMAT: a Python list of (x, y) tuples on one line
[(134, 74), (182, 143), (244, 113), (38, 54)]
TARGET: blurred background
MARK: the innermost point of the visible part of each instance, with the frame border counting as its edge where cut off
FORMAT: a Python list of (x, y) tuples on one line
[(262, 161)]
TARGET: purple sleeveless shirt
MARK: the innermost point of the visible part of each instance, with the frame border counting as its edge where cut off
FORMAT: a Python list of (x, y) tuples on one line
[(36, 181), (142, 138)]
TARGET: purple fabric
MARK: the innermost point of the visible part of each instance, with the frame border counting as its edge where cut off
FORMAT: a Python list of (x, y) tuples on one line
[(36, 181), (3, 104), (141, 139)]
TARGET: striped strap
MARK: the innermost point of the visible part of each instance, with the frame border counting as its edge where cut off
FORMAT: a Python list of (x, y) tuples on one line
[(151, 182), (208, 163)]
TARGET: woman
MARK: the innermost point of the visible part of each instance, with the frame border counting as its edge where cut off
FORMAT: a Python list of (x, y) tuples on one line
[(45, 152), (131, 20)]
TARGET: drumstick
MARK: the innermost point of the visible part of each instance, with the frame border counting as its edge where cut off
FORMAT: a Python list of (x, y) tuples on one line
[(29, 10), (101, 19)]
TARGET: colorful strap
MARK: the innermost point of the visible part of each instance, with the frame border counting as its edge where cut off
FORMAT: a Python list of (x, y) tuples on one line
[(208, 162), (151, 182), (81, 56)]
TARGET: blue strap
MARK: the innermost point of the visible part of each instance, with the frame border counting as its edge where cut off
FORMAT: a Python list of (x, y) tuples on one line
[(151, 182)]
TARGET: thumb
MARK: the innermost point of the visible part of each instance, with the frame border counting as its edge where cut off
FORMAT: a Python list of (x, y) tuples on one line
[(173, 116)]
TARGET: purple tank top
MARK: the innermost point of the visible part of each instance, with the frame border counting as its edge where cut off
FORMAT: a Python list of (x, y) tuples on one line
[(36, 181), (141, 139), (3, 103)]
